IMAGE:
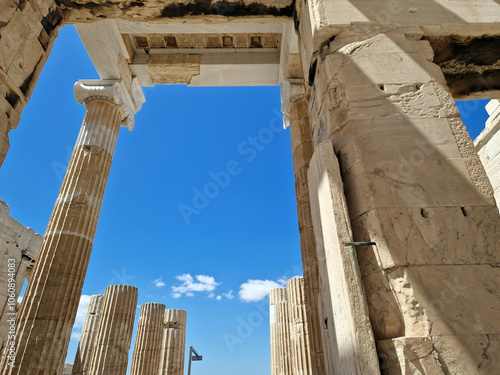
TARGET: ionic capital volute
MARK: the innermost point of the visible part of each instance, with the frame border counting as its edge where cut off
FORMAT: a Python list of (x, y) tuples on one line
[(129, 100)]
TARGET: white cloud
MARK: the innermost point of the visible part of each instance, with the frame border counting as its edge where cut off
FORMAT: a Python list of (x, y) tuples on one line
[(189, 285), (257, 290), (159, 282), (80, 316), (228, 295), (219, 298), (82, 310)]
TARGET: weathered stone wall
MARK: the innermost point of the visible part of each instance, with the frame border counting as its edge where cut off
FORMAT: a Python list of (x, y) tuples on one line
[(415, 186), (27, 31), (19, 246), (488, 147)]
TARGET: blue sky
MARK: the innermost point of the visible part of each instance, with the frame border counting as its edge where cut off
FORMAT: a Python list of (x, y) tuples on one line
[(216, 256)]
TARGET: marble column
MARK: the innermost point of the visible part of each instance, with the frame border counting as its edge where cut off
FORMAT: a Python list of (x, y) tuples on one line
[(50, 303), (173, 342), (302, 148), (147, 348), (86, 344), (393, 161), (114, 331), (281, 360), (299, 343)]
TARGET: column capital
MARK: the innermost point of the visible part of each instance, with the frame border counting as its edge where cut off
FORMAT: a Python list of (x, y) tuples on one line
[(291, 91), (129, 99)]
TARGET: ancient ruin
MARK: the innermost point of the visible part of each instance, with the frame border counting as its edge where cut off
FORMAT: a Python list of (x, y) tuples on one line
[(291, 352), (147, 347), (400, 230), (87, 337), (114, 331), (173, 342), (19, 249)]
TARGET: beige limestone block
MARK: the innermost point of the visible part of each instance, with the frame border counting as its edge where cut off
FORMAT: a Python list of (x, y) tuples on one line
[(281, 352), (347, 334), (440, 355), (414, 187), (87, 337), (320, 21), (147, 347), (13, 36), (173, 68), (440, 234), (300, 133), (114, 331), (173, 342), (299, 341)]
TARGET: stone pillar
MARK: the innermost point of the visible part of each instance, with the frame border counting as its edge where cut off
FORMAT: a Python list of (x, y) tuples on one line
[(488, 147), (114, 331), (147, 348), (299, 344), (281, 359), (86, 344), (302, 148), (173, 342), (415, 186), (50, 303)]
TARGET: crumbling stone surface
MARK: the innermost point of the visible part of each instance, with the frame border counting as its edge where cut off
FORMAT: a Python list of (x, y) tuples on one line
[(414, 185), (155, 11)]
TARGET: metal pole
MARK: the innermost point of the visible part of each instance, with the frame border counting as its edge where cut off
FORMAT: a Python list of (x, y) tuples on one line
[(190, 358)]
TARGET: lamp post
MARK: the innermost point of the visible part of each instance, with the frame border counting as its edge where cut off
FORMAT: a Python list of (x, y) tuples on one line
[(195, 357)]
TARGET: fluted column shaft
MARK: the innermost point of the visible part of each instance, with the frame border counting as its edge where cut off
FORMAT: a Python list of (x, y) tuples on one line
[(299, 344), (302, 148), (50, 302), (114, 331), (280, 332), (86, 344), (173, 342), (147, 348)]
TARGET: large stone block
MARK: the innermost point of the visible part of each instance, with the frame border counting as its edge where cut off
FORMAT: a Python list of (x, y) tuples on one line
[(442, 235), (347, 334), (13, 36), (390, 183), (322, 20), (434, 300)]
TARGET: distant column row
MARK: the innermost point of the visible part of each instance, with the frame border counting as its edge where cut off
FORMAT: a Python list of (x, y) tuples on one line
[(290, 350), (107, 334)]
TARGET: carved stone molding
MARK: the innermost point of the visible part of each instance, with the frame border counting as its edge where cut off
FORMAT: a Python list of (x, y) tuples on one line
[(129, 100)]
